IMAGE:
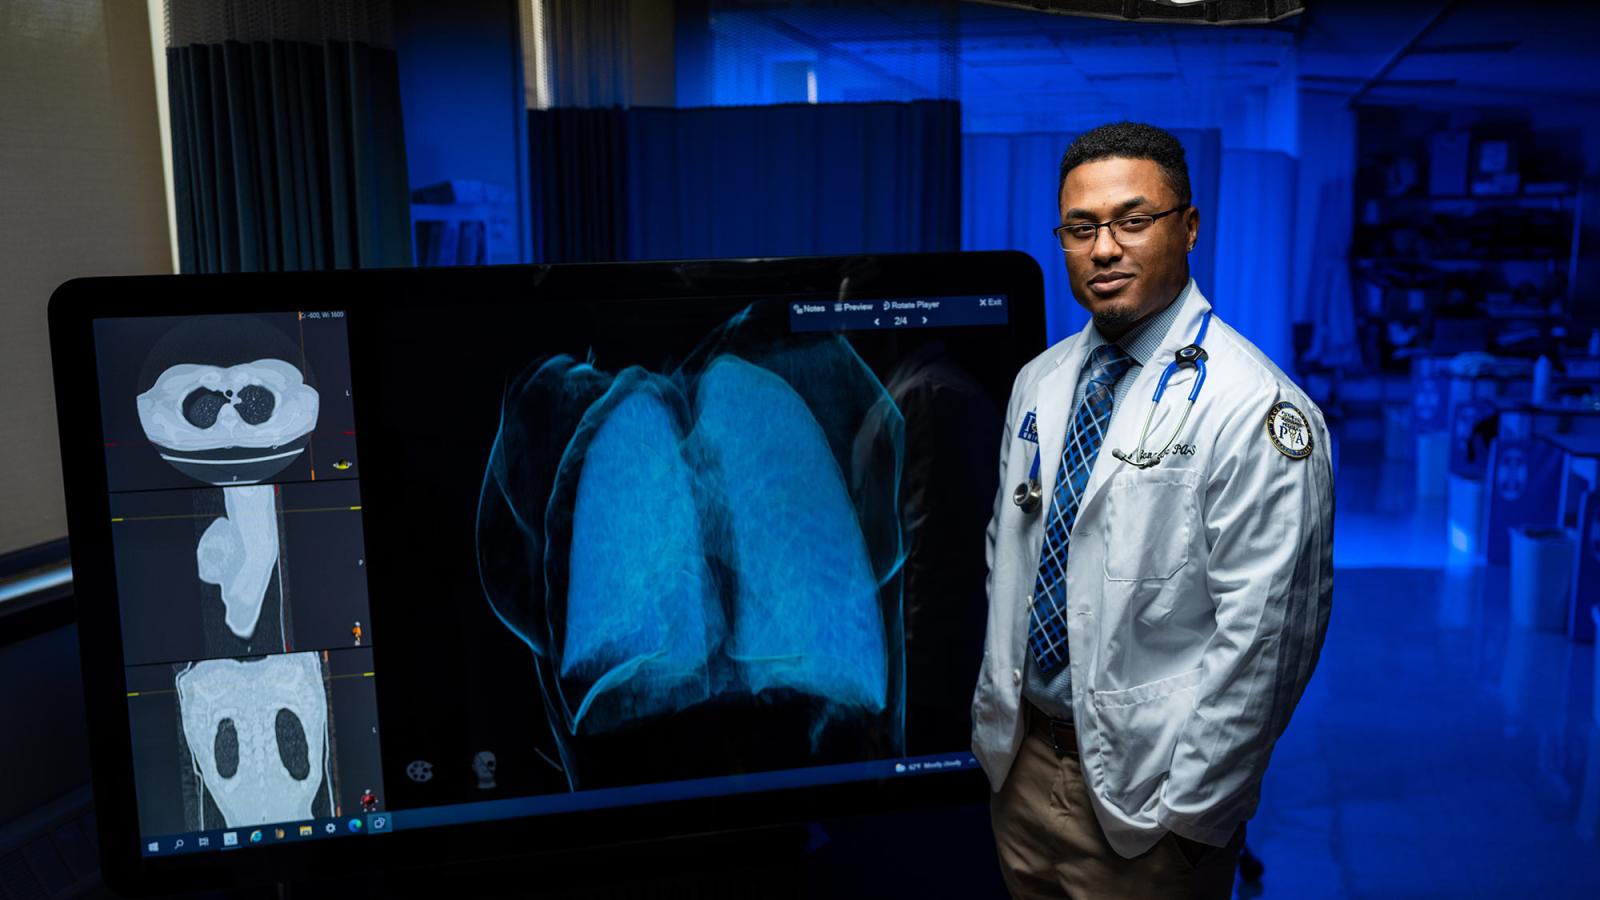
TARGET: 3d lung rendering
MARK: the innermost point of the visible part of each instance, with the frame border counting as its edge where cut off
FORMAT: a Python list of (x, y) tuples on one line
[(257, 731), (234, 425), (239, 553), (642, 612), (539, 416), (806, 614), (723, 535)]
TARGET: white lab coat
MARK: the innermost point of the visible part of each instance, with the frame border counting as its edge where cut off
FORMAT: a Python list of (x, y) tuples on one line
[(1199, 589)]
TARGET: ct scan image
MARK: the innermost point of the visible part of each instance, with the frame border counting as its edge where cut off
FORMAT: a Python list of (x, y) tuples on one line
[(239, 571), (232, 400), (242, 742)]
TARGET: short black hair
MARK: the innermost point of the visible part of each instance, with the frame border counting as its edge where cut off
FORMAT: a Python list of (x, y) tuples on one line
[(1131, 140)]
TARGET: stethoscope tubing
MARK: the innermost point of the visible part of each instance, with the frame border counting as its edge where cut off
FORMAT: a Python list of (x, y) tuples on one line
[(1030, 494)]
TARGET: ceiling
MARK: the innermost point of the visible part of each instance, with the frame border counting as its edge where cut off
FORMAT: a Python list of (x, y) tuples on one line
[(1432, 52), (1471, 52)]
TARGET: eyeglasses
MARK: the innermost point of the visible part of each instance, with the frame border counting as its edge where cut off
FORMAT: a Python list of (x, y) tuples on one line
[(1129, 231)]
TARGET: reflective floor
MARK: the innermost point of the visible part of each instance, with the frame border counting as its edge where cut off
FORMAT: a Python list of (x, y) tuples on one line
[(1441, 750)]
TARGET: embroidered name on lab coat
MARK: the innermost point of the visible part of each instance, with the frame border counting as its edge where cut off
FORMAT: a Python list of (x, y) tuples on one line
[(1174, 450)]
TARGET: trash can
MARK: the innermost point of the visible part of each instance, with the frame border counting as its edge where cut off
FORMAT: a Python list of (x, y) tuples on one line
[(1541, 576), (1465, 519), (1433, 465), (1594, 615), (1398, 431)]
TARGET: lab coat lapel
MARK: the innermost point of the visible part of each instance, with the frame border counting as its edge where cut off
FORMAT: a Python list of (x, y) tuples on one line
[(1128, 418), (1053, 409)]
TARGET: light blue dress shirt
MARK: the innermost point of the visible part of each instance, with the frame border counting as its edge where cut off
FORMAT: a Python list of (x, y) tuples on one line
[(1054, 696)]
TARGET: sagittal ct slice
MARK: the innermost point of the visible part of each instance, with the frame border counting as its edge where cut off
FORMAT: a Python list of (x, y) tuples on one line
[(239, 553), (257, 732), (234, 425)]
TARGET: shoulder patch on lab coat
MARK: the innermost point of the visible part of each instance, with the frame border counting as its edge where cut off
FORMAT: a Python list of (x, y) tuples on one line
[(1288, 430)]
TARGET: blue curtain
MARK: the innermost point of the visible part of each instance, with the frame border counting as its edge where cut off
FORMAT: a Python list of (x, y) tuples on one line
[(1253, 285), (287, 155), (1009, 202), (1322, 217), (788, 180), (579, 179)]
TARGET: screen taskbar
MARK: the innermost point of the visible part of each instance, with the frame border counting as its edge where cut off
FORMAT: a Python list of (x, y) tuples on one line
[(547, 804), (258, 835)]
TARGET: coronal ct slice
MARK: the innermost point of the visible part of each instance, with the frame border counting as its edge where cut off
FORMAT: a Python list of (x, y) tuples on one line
[(239, 553), (258, 735), (806, 612), (234, 425)]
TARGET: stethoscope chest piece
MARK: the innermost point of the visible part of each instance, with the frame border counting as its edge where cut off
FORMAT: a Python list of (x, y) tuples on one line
[(1193, 357), (1028, 495)]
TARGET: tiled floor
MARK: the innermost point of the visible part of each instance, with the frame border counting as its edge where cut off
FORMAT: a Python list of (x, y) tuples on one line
[(1440, 751)]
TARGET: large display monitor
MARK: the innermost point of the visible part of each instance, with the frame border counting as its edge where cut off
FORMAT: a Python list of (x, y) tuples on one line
[(527, 558)]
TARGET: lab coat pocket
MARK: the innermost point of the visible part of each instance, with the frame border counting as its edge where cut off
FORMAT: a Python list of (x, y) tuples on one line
[(1149, 522), (1138, 730)]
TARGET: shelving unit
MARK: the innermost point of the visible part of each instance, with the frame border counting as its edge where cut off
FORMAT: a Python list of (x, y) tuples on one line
[(1451, 272)]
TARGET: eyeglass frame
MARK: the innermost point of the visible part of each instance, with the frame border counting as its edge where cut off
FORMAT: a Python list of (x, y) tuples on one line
[(1156, 217)]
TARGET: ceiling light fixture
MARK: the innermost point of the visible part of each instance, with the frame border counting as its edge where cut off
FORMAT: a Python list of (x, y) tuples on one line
[(1189, 12)]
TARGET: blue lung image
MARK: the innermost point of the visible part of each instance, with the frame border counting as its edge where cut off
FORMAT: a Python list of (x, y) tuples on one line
[(721, 536), (538, 417), (806, 613), (642, 611)]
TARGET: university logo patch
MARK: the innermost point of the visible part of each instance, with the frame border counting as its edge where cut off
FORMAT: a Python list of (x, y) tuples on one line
[(1030, 429)]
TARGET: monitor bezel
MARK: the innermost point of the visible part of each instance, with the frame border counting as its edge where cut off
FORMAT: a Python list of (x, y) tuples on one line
[(367, 295)]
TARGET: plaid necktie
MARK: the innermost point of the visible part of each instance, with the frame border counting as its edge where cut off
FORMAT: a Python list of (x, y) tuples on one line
[(1047, 622)]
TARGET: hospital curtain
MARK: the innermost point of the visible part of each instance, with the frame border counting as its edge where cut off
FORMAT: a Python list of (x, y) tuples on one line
[(588, 47), (288, 151), (1322, 215), (788, 180), (580, 184), (1009, 203), (1253, 281)]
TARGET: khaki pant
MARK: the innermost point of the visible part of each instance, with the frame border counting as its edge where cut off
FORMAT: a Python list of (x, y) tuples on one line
[(1051, 845)]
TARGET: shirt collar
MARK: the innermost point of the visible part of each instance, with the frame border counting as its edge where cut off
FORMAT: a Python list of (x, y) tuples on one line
[(1142, 342)]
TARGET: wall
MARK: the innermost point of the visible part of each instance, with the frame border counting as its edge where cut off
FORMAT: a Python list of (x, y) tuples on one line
[(80, 194)]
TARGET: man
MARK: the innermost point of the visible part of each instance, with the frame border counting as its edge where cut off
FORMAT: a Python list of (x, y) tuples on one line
[(1157, 603)]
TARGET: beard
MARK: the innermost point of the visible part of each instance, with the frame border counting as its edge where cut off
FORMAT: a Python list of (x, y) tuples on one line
[(1118, 318)]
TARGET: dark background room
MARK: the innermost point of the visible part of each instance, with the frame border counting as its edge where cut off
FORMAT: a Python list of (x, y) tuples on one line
[(1400, 207)]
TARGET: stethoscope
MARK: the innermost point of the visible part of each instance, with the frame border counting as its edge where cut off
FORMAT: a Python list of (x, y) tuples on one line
[(1029, 495)]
